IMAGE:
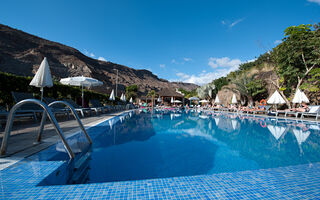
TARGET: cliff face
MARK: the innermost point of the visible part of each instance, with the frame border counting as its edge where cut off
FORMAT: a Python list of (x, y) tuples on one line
[(21, 54)]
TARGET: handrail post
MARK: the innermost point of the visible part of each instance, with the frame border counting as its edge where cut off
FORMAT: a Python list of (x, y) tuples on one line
[(76, 116), (51, 117)]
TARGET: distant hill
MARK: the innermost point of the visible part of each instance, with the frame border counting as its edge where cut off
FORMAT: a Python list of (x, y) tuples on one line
[(21, 54)]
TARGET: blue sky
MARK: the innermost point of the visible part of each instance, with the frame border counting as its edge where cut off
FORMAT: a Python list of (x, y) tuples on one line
[(190, 41)]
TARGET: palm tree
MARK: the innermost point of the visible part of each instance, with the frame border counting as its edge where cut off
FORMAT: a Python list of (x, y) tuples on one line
[(151, 93), (241, 87)]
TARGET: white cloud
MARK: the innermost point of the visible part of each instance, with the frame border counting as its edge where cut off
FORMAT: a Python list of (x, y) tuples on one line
[(224, 62), (222, 67), (162, 65), (231, 24), (182, 75), (87, 53), (314, 1), (187, 59), (278, 41), (102, 59), (202, 78), (174, 61), (236, 22)]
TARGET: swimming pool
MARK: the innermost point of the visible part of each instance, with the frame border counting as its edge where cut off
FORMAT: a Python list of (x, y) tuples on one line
[(50, 174), (162, 144)]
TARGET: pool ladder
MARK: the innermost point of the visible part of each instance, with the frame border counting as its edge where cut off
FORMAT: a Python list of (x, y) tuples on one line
[(46, 112)]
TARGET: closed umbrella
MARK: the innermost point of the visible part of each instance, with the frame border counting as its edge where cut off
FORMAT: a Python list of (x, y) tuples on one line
[(171, 99), (81, 81), (112, 97), (43, 77), (217, 101), (124, 98), (300, 97), (276, 98), (276, 130), (131, 100), (234, 99), (121, 98), (159, 99), (234, 124), (301, 135)]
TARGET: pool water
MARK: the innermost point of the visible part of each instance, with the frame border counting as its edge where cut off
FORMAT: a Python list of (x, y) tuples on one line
[(161, 144)]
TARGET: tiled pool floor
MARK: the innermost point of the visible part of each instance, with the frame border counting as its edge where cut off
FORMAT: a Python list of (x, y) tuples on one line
[(296, 182)]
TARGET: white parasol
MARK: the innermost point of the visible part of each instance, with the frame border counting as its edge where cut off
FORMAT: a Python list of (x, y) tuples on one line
[(81, 81), (43, 77)]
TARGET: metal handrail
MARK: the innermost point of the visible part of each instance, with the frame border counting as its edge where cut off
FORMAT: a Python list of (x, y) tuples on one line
[(51, 117), (76, 116)]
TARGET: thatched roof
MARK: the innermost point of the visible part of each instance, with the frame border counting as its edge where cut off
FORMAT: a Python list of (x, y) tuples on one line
[(167, 92)]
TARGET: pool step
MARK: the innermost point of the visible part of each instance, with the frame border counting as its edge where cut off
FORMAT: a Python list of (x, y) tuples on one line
[(81, 169)]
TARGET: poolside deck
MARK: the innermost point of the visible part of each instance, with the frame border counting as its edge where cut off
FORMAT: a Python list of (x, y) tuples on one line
[(22, 141)]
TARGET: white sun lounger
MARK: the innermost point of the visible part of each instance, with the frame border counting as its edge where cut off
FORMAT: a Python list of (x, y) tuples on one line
[(314, 112)]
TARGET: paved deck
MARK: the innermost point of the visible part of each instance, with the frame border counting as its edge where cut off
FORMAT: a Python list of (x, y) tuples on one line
[(22, 141)]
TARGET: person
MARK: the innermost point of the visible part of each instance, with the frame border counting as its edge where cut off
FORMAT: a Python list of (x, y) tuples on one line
[(304, 108)]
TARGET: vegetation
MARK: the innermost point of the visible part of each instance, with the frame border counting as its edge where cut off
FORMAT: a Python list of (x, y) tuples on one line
[(151, 94), (189, 94), (296, 62), (297, 59), (9, 82), (250, 89), (132, 91)]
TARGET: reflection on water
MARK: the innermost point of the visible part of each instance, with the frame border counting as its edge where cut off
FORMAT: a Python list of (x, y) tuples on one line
[(163, 144)]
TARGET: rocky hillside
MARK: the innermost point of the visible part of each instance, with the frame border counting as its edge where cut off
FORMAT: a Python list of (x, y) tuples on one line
[(21, 54)]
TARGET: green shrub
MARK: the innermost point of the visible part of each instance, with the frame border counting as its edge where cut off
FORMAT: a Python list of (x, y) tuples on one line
[(10, 82)]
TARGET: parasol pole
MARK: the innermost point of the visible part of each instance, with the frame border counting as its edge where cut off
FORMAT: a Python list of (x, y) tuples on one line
[(82, 95), (41, 89)]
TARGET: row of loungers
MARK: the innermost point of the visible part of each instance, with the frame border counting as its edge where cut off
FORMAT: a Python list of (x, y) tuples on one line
[(33, 110), (313, 112)]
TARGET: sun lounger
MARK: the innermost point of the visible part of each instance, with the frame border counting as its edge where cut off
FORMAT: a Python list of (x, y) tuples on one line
[(313, 112), (79, 109), (97, 106), (262, 111), (56, 108), (27, 108), (286, 112), (4, 115)]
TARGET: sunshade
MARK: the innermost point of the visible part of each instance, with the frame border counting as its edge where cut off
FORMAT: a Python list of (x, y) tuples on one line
[(234, 99), (276, 131), (81, 81), (234, 124), (43, 77), (194, 99), (217, 100), (276, 98), (301, 135), (300, 97), (112, 97)]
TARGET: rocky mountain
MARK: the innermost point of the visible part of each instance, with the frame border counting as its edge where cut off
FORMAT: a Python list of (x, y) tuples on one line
[(21, 54)]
